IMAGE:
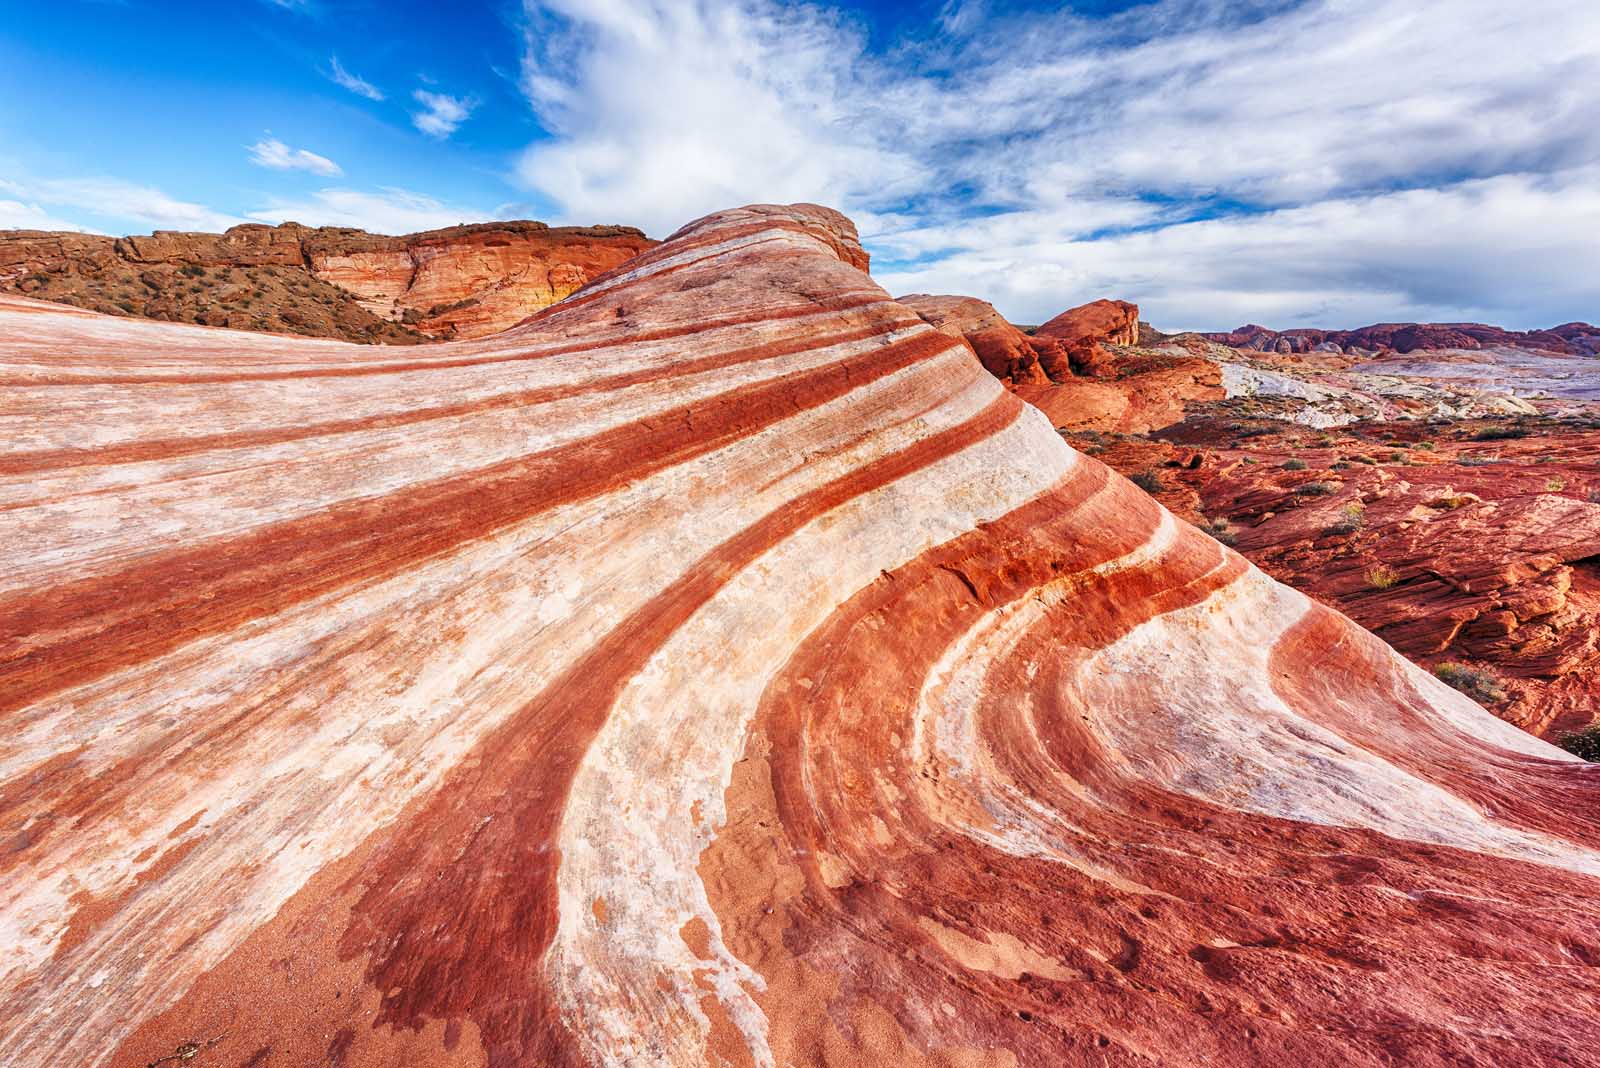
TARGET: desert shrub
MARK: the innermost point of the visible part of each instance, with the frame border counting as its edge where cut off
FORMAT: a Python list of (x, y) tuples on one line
[(460, 305), (1316, 489), (1369, 461), (1554, 485), (1426, 446), (1294, 463), (1476, 683), (1340, 465), (1500, 433), (1382, 577), (1220, 529), (192, 270), (1351, 519), (1398, 457), (1478, 461), (1584, 743), (1149, 481)]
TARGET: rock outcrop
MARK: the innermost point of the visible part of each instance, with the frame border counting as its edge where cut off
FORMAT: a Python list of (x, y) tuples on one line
[(721, 667), (1570, 338), (1475, 544), (336, 282), (1114, 322), (1088, 377)]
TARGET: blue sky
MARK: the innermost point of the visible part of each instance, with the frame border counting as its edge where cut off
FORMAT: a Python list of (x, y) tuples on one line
[(1219, 161)]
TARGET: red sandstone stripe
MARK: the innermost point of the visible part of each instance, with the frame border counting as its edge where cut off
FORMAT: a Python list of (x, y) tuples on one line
[(181, 377), (80, 631), (168, 448), (501, 909), (598, 288)]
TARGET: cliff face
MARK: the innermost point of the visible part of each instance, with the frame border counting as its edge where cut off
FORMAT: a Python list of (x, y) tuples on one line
[(721, 667), (462, 282)]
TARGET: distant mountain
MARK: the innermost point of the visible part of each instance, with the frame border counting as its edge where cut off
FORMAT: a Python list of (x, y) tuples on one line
[(1572, 338)]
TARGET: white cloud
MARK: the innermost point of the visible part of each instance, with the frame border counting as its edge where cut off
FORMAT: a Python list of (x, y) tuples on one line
[(1011, 155), (1517, 250), (664, 110), (389, 211), (124, 202), (272, 153), (441, 114), (19, 215), (357, 85)]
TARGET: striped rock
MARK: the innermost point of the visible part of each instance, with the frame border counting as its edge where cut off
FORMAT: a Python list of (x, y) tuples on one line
[(719, 669)]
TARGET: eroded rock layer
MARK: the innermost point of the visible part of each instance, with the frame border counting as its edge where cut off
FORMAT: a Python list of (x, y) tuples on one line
[(721, 669)]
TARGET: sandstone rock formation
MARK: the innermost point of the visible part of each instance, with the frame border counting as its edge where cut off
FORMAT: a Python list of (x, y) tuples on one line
[(720, 668), (1008, 353), (1451, 548), (1087, 378), (1570, 338), (461, 282), (1115, 322)]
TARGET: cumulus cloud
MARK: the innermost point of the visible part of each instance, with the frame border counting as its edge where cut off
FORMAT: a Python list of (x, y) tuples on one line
[(441, 114), (663, 110), (274, 154), (359, 86), (1039, 156), (388, 211)]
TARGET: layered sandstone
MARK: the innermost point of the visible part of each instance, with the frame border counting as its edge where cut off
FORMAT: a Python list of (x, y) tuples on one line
[(722, 667), (336, 282)]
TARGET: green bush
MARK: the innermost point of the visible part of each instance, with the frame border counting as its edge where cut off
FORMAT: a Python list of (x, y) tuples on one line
[(1584, 743), (1316, 489), (1500, 433), (1476, 683), (1294, 463), (1220, 529), (1382, 577), (1351, 519)]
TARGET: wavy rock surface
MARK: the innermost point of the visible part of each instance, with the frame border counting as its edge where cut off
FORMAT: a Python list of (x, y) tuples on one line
[(721, 668), (1462, 550)]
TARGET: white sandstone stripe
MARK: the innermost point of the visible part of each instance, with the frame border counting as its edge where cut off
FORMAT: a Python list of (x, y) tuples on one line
[(667, 751)]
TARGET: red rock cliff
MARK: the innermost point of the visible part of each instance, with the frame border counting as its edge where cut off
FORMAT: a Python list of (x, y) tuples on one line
[(461, 282)]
